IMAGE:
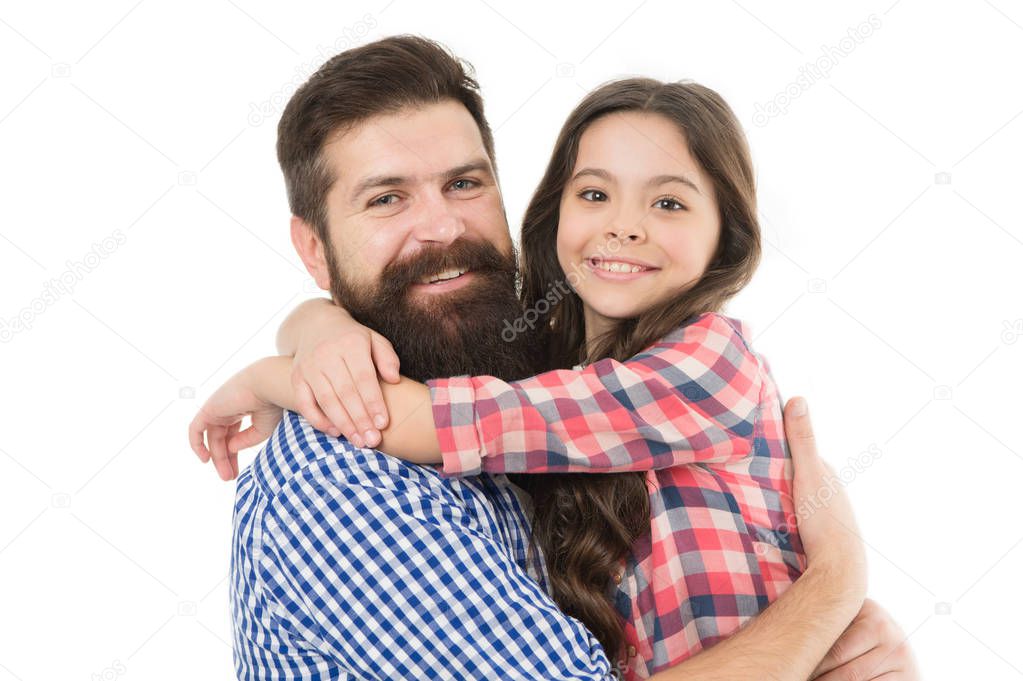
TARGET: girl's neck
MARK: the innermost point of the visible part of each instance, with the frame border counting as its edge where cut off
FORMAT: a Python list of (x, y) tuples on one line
[(597, 325)]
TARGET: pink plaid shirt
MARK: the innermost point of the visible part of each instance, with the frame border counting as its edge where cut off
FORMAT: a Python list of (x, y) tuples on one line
[(700, 413)]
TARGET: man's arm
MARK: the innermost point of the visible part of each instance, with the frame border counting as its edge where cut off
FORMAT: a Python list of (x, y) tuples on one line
[(789, 639), (785, 641), (872, 647)]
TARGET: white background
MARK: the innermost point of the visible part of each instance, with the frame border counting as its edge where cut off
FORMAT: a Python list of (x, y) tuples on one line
[(889, 292)]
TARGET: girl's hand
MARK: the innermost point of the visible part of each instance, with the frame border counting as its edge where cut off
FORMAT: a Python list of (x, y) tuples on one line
[(221, 418), (827, 526), (335, 372)]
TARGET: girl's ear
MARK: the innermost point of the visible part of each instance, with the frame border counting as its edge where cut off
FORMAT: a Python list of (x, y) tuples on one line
[(310, 249)]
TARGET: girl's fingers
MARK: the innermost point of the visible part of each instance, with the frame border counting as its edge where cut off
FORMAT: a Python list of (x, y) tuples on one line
[(250, 437), (338, 385), (384, 358), (232, 455), (196, 430), (368, 385), (307, 407), (322, 396), (218, 445)]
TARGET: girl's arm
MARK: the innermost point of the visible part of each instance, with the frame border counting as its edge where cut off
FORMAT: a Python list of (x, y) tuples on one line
[(694, 397), (336, 364), (410, 435), (306, 316)]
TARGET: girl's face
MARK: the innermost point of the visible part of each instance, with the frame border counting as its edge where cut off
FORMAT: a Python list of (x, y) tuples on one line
[(639, 221)]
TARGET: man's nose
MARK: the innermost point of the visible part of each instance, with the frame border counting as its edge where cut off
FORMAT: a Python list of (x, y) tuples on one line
[(437, 221)]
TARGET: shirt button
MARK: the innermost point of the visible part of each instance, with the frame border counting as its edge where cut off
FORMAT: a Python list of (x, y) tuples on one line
[(631, 651)]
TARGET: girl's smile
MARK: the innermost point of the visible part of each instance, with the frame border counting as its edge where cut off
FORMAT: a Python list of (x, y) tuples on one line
[(638, 218), (614, 269)]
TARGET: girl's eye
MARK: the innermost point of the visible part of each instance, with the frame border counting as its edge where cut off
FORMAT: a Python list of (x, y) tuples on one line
[(669, 204), (464, 183), (593, 195), (385, 200)]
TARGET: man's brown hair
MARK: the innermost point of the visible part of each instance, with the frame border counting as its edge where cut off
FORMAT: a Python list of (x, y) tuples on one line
[(378, 78)]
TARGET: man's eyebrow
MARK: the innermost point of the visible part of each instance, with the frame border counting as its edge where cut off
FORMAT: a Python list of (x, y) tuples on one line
[(374, 181), (478, 165)]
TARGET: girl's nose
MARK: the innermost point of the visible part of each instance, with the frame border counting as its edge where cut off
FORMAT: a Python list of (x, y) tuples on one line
[(623, 233)]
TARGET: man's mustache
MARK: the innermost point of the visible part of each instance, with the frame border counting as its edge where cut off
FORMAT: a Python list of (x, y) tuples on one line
[(431, 260)]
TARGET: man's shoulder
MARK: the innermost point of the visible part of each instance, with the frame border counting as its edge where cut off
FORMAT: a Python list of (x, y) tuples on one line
[(297, 458), (296, 450), (304, 482)]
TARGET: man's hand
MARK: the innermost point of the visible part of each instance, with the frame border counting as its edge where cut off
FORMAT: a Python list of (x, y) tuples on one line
[(787, 641), (872, 647)]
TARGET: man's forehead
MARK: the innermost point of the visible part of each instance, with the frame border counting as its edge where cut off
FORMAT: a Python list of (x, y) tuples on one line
[(414, 143)]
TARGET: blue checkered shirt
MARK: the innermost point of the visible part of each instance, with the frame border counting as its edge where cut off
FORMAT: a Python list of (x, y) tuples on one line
[(350, 564)]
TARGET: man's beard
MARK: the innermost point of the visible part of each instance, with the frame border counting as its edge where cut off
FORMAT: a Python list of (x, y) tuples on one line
[(437, 335)]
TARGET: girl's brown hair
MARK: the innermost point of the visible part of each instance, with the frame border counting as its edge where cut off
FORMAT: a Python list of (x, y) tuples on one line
[(586, 523)]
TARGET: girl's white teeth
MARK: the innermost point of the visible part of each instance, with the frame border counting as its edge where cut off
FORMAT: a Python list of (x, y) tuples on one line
[(611, 266), (447, 274)]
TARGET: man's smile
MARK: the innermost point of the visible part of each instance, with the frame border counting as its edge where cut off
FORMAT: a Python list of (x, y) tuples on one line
[(448, 280)]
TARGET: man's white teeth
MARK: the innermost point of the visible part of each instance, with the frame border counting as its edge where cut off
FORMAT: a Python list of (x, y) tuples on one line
[(447, 274), (611, 266)]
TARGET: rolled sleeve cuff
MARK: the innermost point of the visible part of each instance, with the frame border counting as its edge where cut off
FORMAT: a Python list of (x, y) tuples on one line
[(454, 415)]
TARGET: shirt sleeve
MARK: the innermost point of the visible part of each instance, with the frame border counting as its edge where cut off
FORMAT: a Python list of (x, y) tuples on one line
[(693, 397), (393, 583)]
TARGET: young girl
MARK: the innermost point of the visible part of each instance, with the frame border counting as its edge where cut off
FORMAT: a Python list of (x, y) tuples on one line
[(642, 228)]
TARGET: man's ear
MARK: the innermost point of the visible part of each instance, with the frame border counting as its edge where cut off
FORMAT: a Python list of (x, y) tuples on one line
[(310, 250)]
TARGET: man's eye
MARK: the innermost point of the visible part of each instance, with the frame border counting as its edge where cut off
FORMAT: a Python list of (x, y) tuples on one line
[(385, 200), (464, 183), (669, 204), (593, 195)]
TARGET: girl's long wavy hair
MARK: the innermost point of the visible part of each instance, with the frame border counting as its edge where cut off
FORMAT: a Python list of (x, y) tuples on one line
[(585, 523)]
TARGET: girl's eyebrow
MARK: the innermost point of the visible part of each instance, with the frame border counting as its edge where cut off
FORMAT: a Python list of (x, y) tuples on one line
[(596, 172), (665, 179), (652, 182)]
